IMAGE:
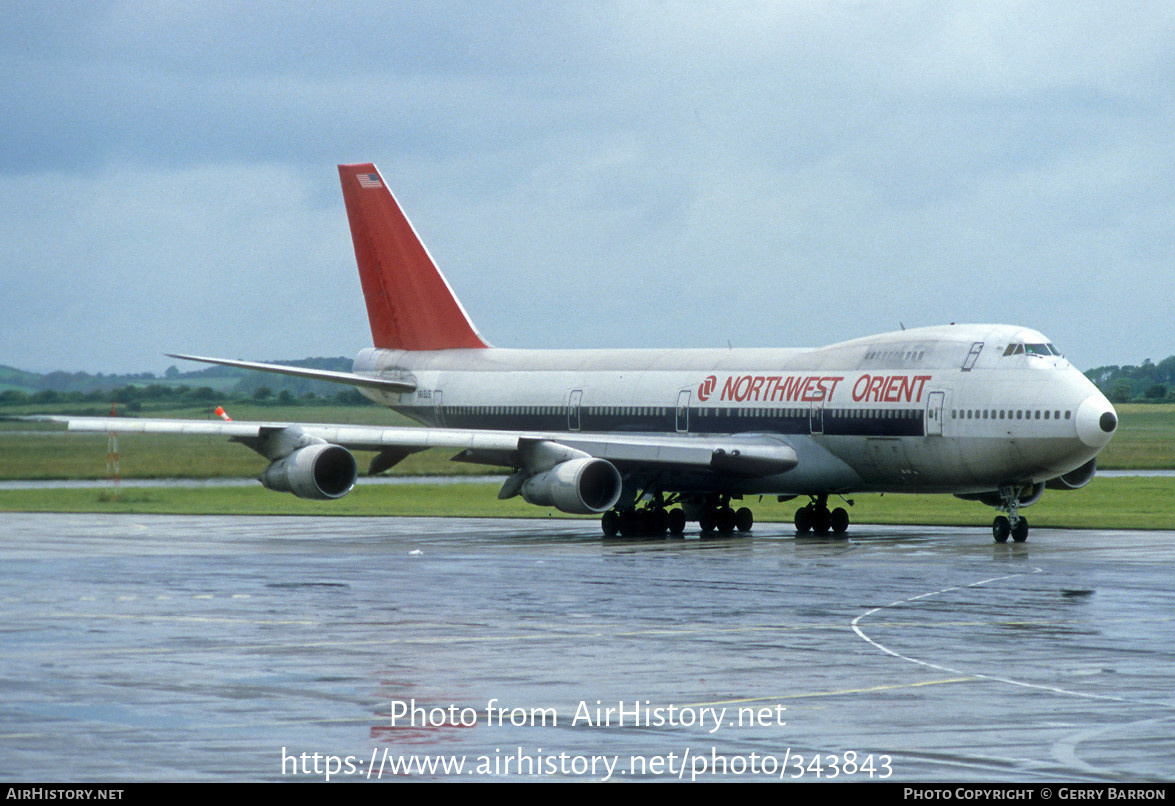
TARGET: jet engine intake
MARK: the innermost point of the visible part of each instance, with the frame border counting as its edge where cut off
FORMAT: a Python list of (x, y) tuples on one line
[(1074, 479), (321, 471), (577, 486)]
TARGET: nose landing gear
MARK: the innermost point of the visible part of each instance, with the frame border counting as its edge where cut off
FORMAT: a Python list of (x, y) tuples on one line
[(1013, 524)]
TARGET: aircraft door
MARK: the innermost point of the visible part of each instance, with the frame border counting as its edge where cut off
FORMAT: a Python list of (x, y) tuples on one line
[(683, 411), (817, 421), (934, 406), (438, 407), (573, 404)]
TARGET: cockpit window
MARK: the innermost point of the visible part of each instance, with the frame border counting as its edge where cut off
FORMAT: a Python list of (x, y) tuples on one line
[(1031, 349), (1040, 349)]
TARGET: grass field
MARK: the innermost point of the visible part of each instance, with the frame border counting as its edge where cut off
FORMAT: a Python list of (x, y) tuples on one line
[(1146, 440), (1106, 503), (31, 450)]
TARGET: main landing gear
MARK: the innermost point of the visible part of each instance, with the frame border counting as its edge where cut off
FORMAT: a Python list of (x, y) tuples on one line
[(815, 517), (650, 521), (724, 519), (1013, 524), (713, 514)]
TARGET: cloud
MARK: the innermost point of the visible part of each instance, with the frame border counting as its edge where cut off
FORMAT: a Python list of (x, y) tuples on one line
[(609, 175)]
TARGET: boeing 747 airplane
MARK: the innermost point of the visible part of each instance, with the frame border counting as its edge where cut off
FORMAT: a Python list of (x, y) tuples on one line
[(655, 439)]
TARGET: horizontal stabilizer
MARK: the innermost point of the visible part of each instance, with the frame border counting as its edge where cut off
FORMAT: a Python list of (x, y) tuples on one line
[(348, 378)]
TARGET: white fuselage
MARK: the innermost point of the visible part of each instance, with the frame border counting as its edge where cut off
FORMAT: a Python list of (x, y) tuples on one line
[(955, 409)]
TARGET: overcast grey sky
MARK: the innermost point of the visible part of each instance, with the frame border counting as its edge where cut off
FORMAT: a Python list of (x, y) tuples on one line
[(588, 174)]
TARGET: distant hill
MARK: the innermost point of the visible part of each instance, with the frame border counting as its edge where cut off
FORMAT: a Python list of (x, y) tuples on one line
[(11, 378)]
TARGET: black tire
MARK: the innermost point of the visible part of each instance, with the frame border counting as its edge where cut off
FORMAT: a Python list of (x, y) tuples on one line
[(1020, 530), (1000, 529), (610, 523), (840, 520), (725, 520), (821, 521), (744, 519), (676, 522), (803, 521)]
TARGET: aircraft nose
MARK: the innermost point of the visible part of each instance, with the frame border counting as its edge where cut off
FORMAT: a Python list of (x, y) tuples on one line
[(1096, 421)]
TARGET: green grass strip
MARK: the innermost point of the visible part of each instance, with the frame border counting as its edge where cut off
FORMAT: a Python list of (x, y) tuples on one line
[(1106, 503)]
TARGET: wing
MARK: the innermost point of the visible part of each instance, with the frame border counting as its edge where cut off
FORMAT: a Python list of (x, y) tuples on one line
[(744, 454), (546, 464)]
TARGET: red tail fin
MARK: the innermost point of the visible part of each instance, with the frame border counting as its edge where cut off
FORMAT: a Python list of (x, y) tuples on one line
[(409, 302)]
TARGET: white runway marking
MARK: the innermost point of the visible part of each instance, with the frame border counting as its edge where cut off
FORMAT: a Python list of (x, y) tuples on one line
[(856, 626)]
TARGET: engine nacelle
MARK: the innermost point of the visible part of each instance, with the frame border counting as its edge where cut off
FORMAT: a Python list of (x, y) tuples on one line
[(1031, 495), (1074, 479), (577, 486), (321, 472)]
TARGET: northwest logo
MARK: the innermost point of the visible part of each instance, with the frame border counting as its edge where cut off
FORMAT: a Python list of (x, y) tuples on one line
[(813, 388), (707, 388)]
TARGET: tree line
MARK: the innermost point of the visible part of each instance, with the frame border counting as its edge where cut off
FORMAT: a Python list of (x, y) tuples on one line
[(1146, 383), (133, 398), (211, 385)]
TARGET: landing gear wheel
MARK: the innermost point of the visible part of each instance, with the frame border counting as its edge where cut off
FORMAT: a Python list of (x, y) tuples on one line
[(821, 520), (744, 519), (840, 520), (676, 522), (1000, 529), (725, 520), (610, 523), (706, 521), (1020, 530), (803, 521)]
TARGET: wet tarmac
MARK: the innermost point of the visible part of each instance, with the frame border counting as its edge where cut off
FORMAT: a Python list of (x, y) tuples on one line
[(148, 648)]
